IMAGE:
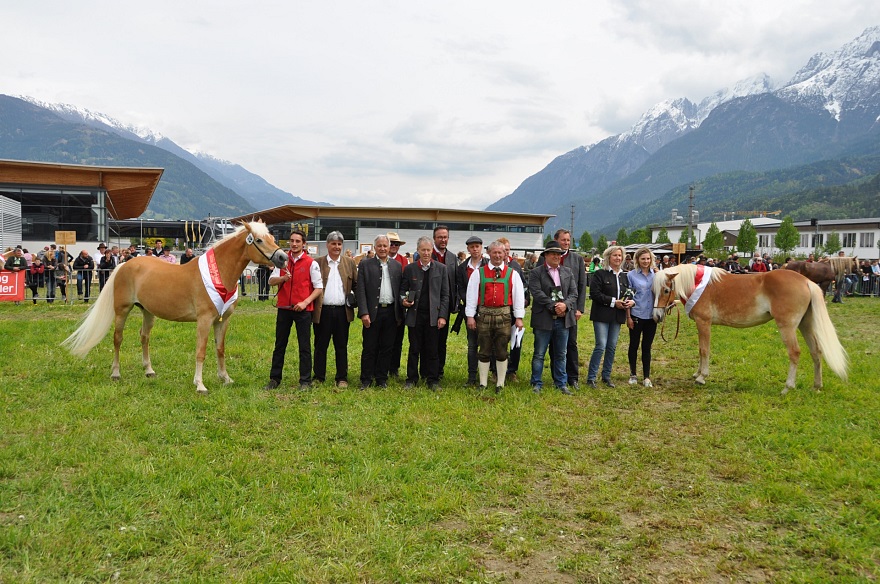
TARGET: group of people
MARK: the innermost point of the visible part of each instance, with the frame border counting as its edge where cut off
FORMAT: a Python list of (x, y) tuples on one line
[(424, 296), (53, 267)]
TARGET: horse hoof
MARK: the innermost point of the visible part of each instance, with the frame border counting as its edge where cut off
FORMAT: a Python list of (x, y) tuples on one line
[(115, 377), (202, 390), (700, 381), (151, 374)]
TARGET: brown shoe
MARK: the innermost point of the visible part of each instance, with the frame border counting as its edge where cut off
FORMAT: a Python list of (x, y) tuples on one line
[(342, 384)]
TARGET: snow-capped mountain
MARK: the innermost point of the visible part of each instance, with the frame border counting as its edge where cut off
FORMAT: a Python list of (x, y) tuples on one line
[(829, 109), (847, 80), (252, 187)]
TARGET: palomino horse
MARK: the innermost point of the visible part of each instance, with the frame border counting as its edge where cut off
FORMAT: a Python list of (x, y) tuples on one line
[(712, 296), (202, 291)]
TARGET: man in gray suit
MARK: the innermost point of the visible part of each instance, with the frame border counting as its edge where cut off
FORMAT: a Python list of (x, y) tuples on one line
[(378, 301), (554, 306), (424, 293)]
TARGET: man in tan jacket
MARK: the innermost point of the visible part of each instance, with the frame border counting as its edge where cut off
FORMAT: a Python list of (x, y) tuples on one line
[(333, 311)]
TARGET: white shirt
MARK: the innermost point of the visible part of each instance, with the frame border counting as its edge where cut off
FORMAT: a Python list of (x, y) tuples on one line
[(386, 294), (473, 293), (334, 295)]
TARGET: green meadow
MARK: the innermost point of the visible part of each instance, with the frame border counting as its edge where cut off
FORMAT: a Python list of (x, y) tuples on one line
[(142, 480)]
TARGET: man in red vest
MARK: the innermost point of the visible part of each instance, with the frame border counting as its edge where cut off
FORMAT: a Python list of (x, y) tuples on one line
[(299, 285), (492, 290)]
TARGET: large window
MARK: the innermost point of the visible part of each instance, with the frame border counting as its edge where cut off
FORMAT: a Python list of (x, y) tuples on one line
[(848, 240), (866, 240), (46, 210)]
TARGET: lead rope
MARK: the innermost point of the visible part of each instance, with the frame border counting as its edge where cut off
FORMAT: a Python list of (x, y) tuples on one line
[(677, 323)]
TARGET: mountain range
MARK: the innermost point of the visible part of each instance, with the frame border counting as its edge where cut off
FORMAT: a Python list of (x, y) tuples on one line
[(194, 185), (827, 112)]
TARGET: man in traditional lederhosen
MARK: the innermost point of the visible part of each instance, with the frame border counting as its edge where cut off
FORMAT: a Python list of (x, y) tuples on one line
[(492, 290)]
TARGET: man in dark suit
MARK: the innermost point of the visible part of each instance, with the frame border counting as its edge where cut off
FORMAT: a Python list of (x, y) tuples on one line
[(333, 313), (475, 261), (554, 304), (424, 292), (378, 301), (574, 262), (441, 254)]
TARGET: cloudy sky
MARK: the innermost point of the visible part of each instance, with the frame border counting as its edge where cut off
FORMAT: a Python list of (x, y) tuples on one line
[(442, 104)]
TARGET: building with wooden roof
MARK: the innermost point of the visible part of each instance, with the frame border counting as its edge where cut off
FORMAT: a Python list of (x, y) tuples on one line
[(74, 197), (361, 225)]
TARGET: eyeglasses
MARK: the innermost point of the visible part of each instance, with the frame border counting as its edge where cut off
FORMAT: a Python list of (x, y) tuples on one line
[(394, 244)]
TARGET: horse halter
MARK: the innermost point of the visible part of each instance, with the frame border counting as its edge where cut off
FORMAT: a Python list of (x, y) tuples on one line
[(670, 299), (250, 240)]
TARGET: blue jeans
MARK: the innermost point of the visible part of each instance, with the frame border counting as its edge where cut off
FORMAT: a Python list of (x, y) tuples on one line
[(606, 342), (559, 334)]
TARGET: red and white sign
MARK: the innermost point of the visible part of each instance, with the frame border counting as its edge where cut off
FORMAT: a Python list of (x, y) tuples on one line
[(11, 286)]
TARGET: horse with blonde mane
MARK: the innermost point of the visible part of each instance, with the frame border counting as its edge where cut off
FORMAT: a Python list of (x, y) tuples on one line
[(712, 296), (203, 291)]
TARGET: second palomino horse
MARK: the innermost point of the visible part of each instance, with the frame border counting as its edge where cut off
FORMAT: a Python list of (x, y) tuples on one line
[(712, 296)]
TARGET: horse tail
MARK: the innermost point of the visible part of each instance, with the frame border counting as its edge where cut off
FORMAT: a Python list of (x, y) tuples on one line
[(93, 326), (834, 353)]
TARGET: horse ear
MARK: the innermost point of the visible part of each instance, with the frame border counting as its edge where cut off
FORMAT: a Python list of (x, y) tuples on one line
[(672, 276)]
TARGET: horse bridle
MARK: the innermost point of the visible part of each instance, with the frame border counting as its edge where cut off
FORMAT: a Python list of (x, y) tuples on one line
[(670, 304), (251, 240)]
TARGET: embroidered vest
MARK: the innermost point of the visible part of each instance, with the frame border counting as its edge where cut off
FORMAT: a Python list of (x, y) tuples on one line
[(495, 293), (299, 287)]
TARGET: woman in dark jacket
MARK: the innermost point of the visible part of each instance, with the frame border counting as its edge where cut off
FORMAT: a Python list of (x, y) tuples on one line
[(105, 268), (608, 292)]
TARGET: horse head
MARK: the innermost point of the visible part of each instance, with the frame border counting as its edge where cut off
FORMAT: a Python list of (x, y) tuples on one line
[(261, 247), (665, 294)]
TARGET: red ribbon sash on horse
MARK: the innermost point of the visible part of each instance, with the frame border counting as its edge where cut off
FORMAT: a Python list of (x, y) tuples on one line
[(222, 297), (701, 279)]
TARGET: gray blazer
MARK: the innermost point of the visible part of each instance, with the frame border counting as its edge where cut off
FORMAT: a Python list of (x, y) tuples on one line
[(540, 286), (438, 284), (575, 262)]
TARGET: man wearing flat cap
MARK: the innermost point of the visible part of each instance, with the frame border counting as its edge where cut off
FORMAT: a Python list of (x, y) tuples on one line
[(463, 273), (554, 306), (397, 352), (491, 291)]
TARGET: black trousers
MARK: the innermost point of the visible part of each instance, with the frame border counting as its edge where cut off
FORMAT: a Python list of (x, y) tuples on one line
[(441, 347), (378, 345), (644, 328), (284, 321), (472, 354), (423, 348), (334, 325), (397, 352)]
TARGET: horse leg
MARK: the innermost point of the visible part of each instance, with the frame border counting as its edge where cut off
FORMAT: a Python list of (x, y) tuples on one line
[(220, 343), (149, 321), (704, 332), (119, 327), (201, 348), (789, 337)]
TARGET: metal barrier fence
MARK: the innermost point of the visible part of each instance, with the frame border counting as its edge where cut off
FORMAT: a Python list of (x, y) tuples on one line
[(86, 285)]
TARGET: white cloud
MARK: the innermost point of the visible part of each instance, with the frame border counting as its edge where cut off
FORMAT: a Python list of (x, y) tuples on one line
[(437, 104)]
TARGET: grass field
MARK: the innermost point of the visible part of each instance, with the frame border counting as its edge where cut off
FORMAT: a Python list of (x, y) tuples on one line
[(144, 481)]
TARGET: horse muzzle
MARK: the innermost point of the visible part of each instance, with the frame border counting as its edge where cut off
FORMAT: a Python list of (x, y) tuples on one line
[(279, 258)]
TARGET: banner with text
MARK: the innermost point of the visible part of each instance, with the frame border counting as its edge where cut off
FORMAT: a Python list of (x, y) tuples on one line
[(11, 286)]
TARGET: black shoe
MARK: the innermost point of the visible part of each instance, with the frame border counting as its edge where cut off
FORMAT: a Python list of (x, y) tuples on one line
[(273, 384), (575, 385), (592, 383), (565, 391), (608, 382), (304, 385), (470, 383), (364, 386), (383, 385), (409, 385), (434, 386), (482, 387), (498, 389), (536, 389)]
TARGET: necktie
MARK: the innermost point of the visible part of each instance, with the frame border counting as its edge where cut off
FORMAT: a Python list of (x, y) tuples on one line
[(497, 273)]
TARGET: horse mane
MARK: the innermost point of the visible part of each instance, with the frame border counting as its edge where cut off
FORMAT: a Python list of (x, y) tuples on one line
[(684, 283), (842, 265), (258, 228)]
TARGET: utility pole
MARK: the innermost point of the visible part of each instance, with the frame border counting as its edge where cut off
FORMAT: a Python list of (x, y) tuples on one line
[(572, 222), (690, 215)]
